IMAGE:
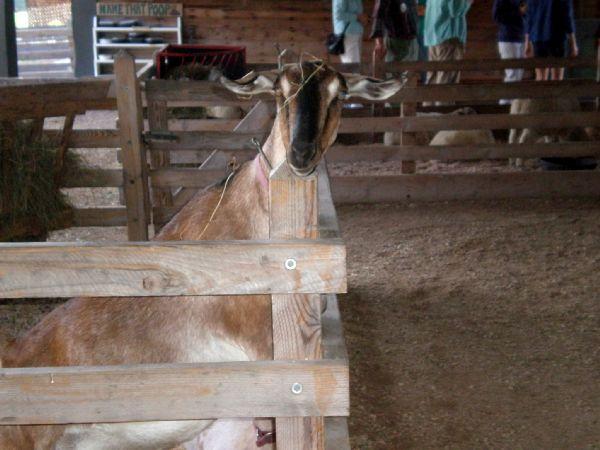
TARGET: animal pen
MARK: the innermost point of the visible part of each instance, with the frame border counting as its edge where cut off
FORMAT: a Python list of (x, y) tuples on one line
[(305, 258)]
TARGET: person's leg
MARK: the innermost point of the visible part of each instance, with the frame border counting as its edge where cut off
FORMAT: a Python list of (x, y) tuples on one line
[(510, 50), (352, 48), (412, 53), (541, 50), (558, 50), (434, 55), (557, 73), (452, 50)]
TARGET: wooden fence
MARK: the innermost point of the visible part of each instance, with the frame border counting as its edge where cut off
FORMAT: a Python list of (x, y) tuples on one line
[(175, 144), (45, 52), (305, 387)]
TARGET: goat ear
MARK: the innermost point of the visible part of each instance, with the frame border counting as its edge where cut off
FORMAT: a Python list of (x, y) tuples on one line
[(250, 84), (370, 88)]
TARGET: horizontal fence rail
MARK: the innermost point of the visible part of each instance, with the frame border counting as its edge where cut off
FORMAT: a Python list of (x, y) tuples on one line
[(474, 65), (464, 186), (61, 395), (172, 268)]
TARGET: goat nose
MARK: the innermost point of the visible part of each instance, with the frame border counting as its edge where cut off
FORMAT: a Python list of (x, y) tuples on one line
[(303, 153)]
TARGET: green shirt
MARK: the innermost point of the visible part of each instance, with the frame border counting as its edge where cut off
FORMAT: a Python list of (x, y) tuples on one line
[(446, 19)]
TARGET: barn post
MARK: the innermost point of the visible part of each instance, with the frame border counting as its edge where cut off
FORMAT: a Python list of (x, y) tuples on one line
[(293, 214), (8, 40), (158, 122), (408, 109), (131, 127)]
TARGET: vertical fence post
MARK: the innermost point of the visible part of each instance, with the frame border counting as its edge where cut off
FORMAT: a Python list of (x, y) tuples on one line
[(131, 126), (293, 212), (158, 121), (408, 109)]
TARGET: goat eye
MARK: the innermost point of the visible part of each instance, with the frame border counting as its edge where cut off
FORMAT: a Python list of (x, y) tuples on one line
[(342, 96)]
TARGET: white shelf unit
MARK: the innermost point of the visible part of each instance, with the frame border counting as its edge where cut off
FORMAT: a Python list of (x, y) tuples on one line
[(143, 53)]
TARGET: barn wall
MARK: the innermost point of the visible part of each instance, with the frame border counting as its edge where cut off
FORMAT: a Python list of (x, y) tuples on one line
[(303, 24)]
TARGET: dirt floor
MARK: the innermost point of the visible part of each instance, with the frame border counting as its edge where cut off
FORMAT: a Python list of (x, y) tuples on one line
[(474, 325)]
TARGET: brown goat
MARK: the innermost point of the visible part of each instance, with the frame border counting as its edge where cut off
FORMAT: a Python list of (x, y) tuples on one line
[(109, 331)]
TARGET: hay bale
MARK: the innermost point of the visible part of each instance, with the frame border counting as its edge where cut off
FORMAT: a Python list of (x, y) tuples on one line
[(32, 204)]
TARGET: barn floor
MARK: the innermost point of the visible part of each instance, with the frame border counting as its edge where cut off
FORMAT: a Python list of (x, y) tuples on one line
[(474, 325), (469, 325)]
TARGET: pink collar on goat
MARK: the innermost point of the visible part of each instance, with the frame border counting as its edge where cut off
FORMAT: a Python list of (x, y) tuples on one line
[(261, 172)]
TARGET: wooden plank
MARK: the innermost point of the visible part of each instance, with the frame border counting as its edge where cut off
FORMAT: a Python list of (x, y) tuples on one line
[(212, 93), (91, 138), (60, 395), (383, 153), (194, 140), (353, 125), (129, 102), (328, 222), (50, 91), (171, 268), (91, 178), (43, 32), (497, 91), (158, 122), (197, 157), (33, 55), (99, 217), (202, 92), (259, 119), (465, 65), (296, 318), (202, 124), (408, 109), (334, 345), (57, 108), (95, 139), (434, 187), (62, 149), (337, 436), (180, 177)]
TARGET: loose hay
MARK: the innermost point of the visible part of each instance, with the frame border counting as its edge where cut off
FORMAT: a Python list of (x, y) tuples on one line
[(31, 202)]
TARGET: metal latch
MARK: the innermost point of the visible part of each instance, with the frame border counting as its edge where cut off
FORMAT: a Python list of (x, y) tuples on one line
[(160, 136)]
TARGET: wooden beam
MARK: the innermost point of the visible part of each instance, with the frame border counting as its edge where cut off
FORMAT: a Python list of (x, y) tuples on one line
[(469, 122), (328, 222), (383, 153), (158, 122), (61, 395), (497, 91), (202, 92), (212, 93), (99, 217), (181, 177), (171, 268), (94, 178), (35, 99), (337, 436), (129, 102), (293, 214), (91, 138), (434, 187), (475, 65), (212, 140)]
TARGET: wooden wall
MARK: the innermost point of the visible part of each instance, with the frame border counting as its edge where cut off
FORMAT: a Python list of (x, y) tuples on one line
[(300, 25), (303, 25)]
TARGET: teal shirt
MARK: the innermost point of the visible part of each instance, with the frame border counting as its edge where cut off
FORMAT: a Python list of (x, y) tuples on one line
[(446, 19), (346, 12)]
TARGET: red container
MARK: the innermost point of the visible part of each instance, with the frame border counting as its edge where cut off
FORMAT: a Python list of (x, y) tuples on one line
[(231, 60)]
